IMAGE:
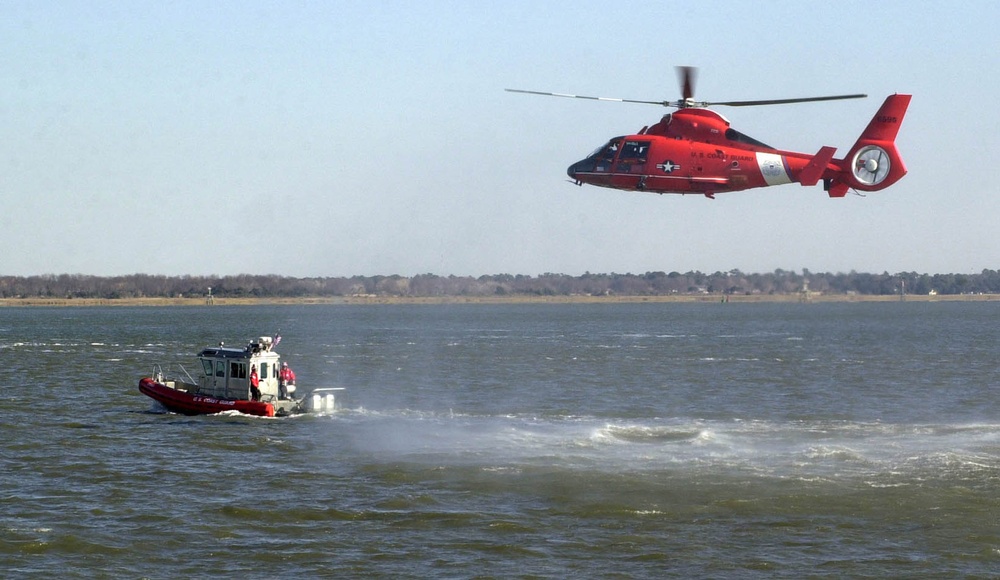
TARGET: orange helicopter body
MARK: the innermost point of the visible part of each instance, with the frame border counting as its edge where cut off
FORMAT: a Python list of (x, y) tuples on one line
[(694, 150)]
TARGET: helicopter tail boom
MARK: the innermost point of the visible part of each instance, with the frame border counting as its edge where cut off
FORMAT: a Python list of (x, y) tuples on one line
[(873, 163)]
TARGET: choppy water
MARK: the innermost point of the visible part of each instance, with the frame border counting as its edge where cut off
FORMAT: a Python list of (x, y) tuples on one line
[(684, 440)]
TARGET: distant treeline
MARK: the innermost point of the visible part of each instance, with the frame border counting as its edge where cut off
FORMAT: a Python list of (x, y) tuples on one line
[(431, 285)]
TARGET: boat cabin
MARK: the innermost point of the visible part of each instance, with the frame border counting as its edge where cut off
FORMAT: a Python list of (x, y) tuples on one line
[(225, 372)]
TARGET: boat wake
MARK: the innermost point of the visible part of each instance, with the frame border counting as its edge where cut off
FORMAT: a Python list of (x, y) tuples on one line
[(878, 453)]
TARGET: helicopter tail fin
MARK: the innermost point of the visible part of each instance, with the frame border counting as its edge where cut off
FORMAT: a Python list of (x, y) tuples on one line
[(873, 163), (811, 173)]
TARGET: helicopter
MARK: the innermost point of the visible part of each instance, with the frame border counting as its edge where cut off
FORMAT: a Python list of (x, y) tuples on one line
[(695, 151)]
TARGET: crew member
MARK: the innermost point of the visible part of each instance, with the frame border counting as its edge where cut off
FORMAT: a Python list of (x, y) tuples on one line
[(285, 377), (254, 384)]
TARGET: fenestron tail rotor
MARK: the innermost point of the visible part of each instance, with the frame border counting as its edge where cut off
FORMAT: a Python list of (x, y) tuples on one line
[(871, 165), (687, 76)]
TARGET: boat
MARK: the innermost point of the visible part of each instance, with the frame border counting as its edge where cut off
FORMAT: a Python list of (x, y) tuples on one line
[(223, 384)]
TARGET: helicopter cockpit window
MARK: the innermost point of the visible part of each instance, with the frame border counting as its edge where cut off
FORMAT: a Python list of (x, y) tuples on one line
[(734, 135), (605, 156), (633, 156), (635, 150)]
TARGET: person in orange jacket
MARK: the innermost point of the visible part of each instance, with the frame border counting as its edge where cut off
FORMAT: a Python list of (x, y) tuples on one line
[(254, 384), (285, 377)]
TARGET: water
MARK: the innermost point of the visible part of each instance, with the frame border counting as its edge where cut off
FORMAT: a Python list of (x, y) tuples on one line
[(667, 440)]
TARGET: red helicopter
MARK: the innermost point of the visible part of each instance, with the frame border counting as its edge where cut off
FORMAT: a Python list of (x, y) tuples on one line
[(694, 150)]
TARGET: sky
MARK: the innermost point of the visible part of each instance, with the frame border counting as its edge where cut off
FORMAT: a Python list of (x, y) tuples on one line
[(375, 138)]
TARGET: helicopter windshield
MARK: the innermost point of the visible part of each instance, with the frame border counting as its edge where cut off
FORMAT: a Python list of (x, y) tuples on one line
[(608, 150), (603, 157), (600, 160)]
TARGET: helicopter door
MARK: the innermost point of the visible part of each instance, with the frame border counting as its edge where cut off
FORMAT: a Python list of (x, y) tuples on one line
[(633, 157)]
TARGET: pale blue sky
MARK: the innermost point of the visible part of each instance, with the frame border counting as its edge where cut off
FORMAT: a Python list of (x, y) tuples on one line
[(343, 138)]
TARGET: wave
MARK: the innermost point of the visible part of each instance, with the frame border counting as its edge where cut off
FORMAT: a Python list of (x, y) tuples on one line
[(652, 434)]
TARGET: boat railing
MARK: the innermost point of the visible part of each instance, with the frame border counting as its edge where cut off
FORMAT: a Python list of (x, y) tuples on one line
[(187, 374), (157, 373), (161, 376)]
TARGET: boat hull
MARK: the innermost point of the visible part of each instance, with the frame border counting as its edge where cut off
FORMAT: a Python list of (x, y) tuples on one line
[(187, 403)]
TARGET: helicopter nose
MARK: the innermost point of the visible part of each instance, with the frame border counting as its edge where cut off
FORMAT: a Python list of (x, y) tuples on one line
[(572, 170)]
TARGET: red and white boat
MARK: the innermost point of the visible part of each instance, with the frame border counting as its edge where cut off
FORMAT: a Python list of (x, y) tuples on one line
[(223, 384)]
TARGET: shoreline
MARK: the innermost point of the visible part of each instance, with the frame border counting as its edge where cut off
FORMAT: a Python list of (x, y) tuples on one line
[(416, 300)]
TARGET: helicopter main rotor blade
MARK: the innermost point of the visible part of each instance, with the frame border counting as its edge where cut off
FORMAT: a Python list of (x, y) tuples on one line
[(782, 101), (611, 99), (687, 74)]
